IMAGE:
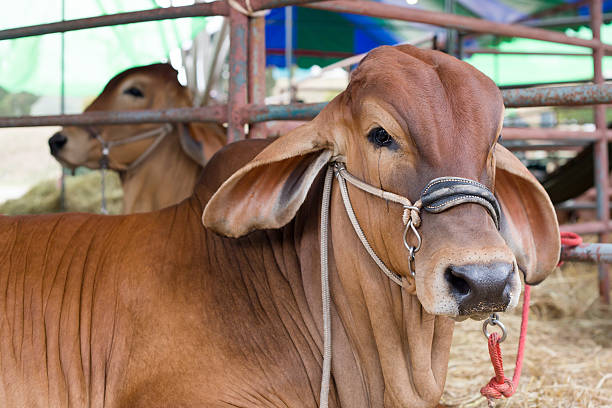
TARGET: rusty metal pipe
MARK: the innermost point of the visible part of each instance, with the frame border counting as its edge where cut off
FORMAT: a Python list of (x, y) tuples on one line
[(257, 70), (269, 4), (558, 96), (205, 114), (196, 10), (597, 253), (294, 111), (553, 96), (601, 151), (510, 133), (381, 10), (238, 66), (574, 95), (584, 228)]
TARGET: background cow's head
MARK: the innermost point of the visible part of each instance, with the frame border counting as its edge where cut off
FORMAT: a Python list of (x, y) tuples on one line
[(148, 87), (409, 116)]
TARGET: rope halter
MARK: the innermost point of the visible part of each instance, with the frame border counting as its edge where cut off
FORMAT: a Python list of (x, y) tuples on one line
[(159, 133), (439, 195)]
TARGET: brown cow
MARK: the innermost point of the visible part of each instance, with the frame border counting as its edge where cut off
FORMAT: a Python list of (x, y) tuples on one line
[(159, 164), (153, 310)]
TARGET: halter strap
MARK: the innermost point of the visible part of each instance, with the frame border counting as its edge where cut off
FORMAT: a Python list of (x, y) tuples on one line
[(160, 132), (444, 193), (439, 195)]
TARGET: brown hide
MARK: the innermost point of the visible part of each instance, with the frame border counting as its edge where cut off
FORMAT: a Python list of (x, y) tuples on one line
[(155, 310), (170, 172)]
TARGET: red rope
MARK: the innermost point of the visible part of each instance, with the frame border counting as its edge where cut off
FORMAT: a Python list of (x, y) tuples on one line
[(569, 239), (500, 386)]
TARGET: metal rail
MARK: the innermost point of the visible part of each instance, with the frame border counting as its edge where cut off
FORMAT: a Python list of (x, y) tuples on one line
[(557, 96), (215, 8), (387, 11), (197, 10), (204, 114), (510, 133), (593, 253), (243, 113)]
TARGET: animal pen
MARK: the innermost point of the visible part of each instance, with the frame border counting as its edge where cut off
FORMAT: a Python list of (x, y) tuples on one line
[(247, 87)]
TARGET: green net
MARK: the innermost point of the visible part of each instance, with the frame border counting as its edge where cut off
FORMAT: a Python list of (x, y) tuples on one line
[(93, 56)]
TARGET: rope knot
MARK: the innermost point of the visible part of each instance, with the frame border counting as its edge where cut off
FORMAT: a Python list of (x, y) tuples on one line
[(495, 390), (413, 213), (499, 386), (247, 9)]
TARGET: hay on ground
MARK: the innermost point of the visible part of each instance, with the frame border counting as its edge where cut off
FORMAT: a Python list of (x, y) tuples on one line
[(83, 194)]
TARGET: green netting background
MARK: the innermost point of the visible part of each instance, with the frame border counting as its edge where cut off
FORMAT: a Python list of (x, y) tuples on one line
[(521, 69), (92, 56)]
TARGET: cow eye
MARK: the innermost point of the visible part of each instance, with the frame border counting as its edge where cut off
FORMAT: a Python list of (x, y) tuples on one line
[(380, 137), (133, 91), (499, 139)]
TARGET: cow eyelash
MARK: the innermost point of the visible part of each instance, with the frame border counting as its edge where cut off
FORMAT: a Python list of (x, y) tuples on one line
[(381, 138), (133, 91)]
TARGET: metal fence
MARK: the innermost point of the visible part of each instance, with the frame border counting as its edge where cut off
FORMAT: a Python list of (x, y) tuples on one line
[(247, 85)]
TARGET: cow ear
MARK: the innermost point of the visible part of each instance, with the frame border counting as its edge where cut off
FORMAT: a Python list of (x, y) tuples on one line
[(269, 190), (200, 141), (529, 223)]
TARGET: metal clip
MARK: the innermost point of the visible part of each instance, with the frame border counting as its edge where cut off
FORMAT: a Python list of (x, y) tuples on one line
[(493, 320), (412, 250)]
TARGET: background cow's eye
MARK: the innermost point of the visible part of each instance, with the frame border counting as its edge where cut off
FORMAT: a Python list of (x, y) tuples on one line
[(380, 137), (499, 139), (135, 92)]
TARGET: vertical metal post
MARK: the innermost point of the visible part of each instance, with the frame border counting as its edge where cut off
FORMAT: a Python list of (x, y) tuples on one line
[(216, 62), (289, 50), (451, 33), (601, 151), (239, 30), (63, 106), (257, 70)]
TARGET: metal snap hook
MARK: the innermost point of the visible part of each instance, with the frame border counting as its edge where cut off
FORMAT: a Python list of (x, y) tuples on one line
[(493, 320), (410, 226), (411, 267), (411, 250)]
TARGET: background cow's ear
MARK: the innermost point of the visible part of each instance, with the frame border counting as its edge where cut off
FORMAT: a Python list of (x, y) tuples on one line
[(269, 190), (529, 223)]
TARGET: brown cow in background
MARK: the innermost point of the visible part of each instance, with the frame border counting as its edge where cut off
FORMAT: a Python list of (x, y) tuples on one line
[(159, 164)]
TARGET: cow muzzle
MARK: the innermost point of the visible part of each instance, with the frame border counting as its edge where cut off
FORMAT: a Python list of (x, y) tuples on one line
[(57, 142), (469, 288), (480, 288)]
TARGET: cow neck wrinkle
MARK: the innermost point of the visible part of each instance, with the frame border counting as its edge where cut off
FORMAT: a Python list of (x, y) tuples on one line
[(375, 372)]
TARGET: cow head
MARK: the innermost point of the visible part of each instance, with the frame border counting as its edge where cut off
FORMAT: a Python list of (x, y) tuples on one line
[(149, 87), (409, 116)]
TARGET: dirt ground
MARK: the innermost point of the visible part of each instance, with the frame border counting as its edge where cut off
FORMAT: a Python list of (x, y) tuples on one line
[(568, 354)]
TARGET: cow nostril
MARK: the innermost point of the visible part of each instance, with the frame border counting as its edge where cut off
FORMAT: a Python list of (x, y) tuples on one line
[(56, 142), (458, 285), (480, 288)]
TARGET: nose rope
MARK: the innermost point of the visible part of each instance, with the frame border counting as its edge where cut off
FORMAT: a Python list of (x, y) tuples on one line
[(439, 195), (160, 132)]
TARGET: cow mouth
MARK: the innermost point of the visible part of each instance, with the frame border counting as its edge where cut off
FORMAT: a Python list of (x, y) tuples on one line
[(475, 316), (65, 163)]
